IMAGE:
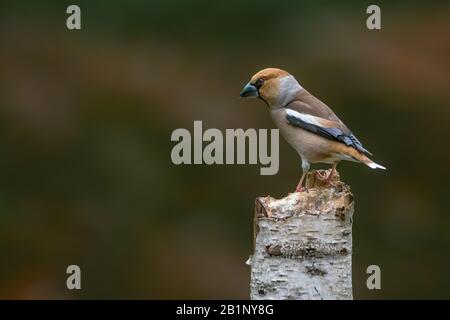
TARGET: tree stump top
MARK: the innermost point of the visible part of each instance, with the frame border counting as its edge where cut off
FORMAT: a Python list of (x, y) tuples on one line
[(319, 199)]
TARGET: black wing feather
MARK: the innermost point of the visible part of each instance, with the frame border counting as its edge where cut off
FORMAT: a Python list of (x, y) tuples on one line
[(335, 134)]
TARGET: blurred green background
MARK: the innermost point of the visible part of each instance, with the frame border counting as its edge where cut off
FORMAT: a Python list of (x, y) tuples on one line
[(86, 118)]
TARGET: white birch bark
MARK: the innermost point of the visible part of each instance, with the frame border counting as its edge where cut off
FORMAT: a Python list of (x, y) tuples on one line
[(303, 244)]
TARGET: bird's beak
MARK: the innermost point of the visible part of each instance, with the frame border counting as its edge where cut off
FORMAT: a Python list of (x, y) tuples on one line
[(249, 91)]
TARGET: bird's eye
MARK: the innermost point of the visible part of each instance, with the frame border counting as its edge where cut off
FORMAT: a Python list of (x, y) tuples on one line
[(259, 82)]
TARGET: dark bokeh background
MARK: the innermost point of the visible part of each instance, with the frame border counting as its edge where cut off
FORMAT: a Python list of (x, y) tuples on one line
[(86, 118)]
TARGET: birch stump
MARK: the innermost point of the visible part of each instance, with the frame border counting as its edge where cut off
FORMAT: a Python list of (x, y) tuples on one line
[(303, 244)]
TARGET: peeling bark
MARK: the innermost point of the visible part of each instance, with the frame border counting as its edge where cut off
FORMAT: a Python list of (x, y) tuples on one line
[(303, 244)]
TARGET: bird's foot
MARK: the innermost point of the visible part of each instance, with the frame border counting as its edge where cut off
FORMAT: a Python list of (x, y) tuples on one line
[(301, 189), (327, 179), (321, 175)]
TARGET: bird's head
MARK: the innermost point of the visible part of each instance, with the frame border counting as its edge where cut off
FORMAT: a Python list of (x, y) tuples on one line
[(274, 86)]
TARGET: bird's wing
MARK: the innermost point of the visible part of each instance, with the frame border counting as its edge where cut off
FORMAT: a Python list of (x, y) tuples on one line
[(309, 113)]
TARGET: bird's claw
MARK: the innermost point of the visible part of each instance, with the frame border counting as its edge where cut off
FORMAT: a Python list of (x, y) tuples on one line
[(332, 183), (322, 176), (327, 179)]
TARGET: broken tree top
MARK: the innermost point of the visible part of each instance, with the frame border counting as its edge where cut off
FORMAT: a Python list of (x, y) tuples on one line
[(303, 243), (318, 198)]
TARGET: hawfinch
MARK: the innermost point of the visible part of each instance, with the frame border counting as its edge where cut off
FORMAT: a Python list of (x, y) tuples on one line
[(307, 123)]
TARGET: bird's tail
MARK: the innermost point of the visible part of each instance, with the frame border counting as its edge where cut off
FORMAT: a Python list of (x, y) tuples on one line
[(371, 164), (374, 165), (355, 154)]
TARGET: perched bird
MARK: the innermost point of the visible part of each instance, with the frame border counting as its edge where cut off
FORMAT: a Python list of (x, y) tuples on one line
[(307, 123)]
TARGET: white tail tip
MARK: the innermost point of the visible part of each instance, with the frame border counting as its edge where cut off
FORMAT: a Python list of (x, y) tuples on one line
[(374, 165)]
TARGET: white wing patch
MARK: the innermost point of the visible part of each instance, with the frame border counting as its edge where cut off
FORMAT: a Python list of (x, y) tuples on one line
[(304, 117)]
